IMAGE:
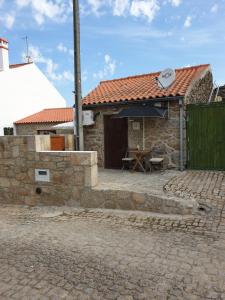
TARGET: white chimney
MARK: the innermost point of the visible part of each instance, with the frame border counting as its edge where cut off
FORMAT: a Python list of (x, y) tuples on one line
[(4, 55)]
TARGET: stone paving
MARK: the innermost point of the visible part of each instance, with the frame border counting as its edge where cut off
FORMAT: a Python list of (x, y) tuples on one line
[(62, 253), (135, 181), (69, 253), (205, 187)]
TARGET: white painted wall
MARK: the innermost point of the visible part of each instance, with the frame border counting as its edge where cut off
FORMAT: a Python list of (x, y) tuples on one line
[(24, 91), (4, 59)]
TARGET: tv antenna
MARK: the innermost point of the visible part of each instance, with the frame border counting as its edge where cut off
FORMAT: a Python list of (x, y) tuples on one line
[(166, 78), (27, 49)]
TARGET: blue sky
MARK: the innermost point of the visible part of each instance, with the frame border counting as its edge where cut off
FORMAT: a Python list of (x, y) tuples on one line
[(118, 37)]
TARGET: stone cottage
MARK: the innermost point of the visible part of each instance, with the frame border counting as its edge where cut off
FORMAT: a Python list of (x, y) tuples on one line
[(136, 112)]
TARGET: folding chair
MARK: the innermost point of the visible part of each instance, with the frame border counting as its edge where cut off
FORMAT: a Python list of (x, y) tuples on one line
[(128, 160), (156, 161)]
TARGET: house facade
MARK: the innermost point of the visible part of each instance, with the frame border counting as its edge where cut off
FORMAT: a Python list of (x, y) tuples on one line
[(24, 90), (134, 112)]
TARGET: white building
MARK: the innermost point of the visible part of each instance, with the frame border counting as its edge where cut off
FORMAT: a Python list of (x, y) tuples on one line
[(24, 90)]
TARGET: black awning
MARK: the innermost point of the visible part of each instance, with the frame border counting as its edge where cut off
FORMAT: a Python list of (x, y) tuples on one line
[(142, 111)]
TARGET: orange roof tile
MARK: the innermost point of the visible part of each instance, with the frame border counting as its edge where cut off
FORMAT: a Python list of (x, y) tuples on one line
[(51, 115), (142, 87)]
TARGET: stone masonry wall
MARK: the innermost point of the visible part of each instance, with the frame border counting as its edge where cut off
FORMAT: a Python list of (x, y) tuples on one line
[(71, 173), (161, 135), (31, 129), (94, 136), (200, 90)]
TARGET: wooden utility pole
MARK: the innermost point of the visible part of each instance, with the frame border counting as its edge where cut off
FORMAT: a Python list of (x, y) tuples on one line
[(77, 81)]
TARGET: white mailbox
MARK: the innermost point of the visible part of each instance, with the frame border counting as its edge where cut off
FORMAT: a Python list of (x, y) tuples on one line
[(42, 175)]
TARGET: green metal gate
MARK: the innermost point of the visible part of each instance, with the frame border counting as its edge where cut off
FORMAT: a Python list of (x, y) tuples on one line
[(206, 136)]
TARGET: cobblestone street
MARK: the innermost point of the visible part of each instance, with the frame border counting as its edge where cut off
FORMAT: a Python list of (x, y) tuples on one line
[(68, 253)]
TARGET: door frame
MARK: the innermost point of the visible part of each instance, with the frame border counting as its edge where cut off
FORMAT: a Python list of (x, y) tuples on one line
[(104, 133)]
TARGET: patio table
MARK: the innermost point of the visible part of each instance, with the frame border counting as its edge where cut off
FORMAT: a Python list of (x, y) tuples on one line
[(139, 156)]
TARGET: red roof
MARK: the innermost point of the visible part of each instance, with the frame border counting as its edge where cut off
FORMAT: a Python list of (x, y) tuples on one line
[(51, 115), (143, 87), (19, 65)]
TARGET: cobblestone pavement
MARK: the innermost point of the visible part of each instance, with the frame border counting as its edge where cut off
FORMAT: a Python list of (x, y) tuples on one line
[(68, 253), (207, 188)]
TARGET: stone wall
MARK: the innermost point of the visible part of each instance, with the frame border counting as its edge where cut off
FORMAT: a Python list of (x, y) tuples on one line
[(94, 135), (200, 90), (32, 129), (160, 135), (71, 172)]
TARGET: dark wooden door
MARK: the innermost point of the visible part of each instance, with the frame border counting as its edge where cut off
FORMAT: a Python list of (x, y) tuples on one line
[(206, 136), (57, 143), (116, 141)]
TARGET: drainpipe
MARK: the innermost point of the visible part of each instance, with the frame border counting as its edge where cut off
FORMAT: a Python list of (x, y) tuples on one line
[(181, 105), (143, 133)]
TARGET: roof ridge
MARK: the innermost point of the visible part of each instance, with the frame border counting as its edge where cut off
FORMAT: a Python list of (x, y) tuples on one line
[(57, 108), (153, 73)]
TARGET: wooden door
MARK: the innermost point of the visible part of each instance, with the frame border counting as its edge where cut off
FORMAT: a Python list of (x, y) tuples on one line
[(206, 136), (57, 143), (116, 141)]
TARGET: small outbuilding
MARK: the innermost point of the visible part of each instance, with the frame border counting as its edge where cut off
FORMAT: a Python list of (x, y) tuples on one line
[(136, 112), (56, 122)]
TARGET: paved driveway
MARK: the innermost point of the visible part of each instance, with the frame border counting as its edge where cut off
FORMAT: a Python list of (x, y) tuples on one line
[(55, 253)]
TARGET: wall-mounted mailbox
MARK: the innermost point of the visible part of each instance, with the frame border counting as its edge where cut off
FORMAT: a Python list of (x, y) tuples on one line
[(42, 175)]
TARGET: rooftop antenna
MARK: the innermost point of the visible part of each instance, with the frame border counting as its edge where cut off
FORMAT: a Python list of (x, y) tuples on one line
[(27, 49), (166, 78)]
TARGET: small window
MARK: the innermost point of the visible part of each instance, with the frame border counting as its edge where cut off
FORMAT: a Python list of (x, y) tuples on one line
[(8, 131), (46, 132)]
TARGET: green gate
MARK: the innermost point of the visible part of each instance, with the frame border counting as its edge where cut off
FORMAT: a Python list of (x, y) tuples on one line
[(206, 136)]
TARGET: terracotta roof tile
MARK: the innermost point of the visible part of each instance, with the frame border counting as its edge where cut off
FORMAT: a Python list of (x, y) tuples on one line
[(142, 87), (51, 115)]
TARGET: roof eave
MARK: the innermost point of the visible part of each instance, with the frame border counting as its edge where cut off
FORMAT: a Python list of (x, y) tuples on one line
[(133, 102)]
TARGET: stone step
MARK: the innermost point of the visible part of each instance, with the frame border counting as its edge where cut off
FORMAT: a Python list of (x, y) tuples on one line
[(129, 200)]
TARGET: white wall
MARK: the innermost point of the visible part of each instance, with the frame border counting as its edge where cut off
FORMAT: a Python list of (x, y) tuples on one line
[(24, 91), (4, 59)]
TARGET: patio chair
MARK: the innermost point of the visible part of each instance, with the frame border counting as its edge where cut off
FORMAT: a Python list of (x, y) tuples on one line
[(128, 160), (156, 162)]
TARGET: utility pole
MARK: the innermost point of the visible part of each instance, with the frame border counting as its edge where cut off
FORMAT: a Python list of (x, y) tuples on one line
[(77, 81)]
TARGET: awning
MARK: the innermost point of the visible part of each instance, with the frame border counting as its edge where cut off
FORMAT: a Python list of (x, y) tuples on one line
[(142, 111), (67, 125)]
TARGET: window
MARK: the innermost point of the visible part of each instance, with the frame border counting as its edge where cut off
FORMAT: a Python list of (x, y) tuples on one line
[(8, 131), (46, 132)]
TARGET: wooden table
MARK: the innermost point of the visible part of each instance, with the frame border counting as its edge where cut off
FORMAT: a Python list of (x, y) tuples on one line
[(139, 156)]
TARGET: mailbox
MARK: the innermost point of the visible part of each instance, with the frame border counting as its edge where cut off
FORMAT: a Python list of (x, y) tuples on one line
[(42, 175)]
